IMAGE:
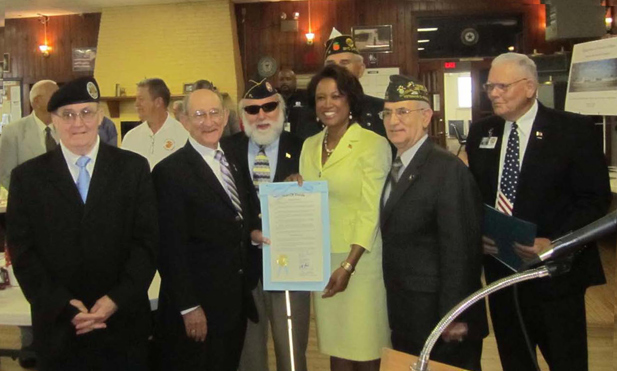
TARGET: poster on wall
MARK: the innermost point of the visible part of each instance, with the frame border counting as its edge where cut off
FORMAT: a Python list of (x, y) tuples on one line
[(83, 59), (592, 85)]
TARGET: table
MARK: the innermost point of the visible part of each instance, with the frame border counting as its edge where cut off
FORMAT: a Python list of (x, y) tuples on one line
[(15, 309)]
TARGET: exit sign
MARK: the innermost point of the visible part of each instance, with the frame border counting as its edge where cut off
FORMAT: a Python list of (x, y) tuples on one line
[(449, 65)]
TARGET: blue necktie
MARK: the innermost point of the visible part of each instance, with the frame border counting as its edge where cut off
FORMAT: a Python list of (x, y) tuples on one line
[(83, 179)]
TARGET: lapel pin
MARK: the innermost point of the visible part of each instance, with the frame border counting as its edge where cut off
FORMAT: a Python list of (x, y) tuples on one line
[(490, 132), (539, 134), (350, 146), (287, 155)]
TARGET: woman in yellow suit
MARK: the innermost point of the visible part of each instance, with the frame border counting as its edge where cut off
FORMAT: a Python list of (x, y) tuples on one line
[(352, 322)]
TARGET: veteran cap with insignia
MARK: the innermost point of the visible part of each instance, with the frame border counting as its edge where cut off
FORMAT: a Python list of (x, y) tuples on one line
[(339, 43), (81, 90), (259, 90), (405, 88)]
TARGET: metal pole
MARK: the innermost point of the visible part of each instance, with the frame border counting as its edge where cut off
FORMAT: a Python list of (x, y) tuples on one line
[(422, 362), (290, 331)]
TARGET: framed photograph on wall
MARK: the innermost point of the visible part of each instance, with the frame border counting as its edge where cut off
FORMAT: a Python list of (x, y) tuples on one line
[(187, 88), (373, 39)]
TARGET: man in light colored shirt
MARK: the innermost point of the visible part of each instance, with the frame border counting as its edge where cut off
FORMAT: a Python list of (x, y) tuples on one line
[(267, 154), (82, 231), (30, 136), (430, 225), (160, 134)]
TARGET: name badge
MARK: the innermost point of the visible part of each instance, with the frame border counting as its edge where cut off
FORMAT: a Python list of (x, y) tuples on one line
[(488, 142)]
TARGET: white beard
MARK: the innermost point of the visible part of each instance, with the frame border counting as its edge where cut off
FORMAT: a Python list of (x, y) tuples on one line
[(265, 137)]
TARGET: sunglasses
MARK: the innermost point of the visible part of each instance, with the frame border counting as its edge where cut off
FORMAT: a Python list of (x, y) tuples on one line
[(254, 109)]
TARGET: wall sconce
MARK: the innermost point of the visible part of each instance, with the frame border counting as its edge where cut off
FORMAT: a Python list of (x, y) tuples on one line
[(296, 15), (45, 48), (310, 37)]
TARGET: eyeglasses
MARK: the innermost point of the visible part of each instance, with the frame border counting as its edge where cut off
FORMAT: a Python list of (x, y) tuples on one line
[(200, 116), (488, 87), (400, 113), (87, 115), (267, 107)]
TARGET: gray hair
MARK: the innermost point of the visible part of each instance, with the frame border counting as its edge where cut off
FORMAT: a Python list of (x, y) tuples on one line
[(520, 60), (279, 98), (185, 101), (36, 88)]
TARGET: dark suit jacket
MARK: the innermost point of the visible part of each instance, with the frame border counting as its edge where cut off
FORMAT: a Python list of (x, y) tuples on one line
[(287, 163), (63, 249), (432, 252), (563, 185), (203, 244)]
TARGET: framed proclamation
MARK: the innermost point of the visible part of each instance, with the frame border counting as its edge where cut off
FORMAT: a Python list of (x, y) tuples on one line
[(297, 222)]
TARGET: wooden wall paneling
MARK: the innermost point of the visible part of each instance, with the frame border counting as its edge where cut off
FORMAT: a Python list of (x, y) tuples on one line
[(1, 40), (23, 36)]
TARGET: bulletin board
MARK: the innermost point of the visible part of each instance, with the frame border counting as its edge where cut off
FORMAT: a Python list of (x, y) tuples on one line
[(11, 99)]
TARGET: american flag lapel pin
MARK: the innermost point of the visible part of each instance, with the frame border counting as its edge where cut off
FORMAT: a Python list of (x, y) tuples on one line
[(287, 155), (539, 135)]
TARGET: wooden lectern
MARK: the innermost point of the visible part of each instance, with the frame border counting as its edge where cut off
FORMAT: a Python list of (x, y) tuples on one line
[(392, 360)]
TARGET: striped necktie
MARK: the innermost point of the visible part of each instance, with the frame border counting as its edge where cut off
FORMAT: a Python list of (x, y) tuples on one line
[(261, 168), (228, 180), (394, 172), (509, 174)]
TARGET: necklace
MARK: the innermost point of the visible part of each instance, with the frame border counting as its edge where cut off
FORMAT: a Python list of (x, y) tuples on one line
[(325, 144)]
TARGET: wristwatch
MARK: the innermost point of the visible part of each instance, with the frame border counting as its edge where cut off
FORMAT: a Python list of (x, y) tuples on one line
[(348, 267)]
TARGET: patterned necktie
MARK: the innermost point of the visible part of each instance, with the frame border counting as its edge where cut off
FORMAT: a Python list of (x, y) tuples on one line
[(50, 142), (509, 174), (228, 180), (261, 168), (394, 172), (83, 179)]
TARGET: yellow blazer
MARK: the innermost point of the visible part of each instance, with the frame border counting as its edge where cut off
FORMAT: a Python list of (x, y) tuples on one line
[(356, 173)]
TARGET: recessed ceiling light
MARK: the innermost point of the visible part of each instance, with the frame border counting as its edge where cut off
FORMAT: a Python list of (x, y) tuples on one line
[(423, 41), (427, 29), (420, 48)]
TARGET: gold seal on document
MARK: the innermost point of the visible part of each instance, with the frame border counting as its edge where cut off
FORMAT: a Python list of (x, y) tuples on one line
[(282, 261)]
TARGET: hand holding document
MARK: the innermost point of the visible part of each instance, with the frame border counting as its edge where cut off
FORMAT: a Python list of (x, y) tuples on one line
[(506, 231), (296, 221)]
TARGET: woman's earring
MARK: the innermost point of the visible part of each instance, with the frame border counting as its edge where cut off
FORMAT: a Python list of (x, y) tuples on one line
[(317, 119), (350, 116)]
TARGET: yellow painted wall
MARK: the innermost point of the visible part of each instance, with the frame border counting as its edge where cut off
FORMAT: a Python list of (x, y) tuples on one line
[(179, 43)]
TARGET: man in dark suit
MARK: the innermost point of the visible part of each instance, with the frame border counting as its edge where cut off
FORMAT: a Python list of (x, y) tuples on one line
[(430, 223), (546, 167), (267, 154), (82, 232), (341, 50), (297, 111), (205, 219)]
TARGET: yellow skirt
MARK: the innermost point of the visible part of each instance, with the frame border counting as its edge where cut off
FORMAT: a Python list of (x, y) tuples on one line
[(353, 324)]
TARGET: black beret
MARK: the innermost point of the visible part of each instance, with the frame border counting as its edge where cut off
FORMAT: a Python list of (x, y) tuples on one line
[(81, 90), (259, 90), (341, 44), (403, 88)]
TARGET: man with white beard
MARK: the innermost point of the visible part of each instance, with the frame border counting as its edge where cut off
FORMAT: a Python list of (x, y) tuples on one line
[(268, 154)]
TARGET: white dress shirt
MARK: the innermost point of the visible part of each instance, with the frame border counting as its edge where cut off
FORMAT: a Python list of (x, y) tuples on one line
[(406, 158), (71, 159), (524, 124)]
